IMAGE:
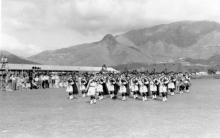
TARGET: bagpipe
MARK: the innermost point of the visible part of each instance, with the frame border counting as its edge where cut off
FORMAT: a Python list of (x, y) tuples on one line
[(165, 80), (145, 80), (83, 81), (135, 80), (90, 80), (112, 80), (101, 80), (70, 80), (123, 80), (156, 81)]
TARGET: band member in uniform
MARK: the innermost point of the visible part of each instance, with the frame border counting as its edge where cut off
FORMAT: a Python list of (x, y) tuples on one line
[(187, 82), (104, 85), (111, 88), (171, 86), (69, 89), (166, 82), (163, 90), (134, 87), (153, 89), (174, 81), (157, 83), (143, 89), (83, 83), (122, 90), (75, 89), (91, 87), (181, 86), (99, 88), (147, 84), (116, 87)]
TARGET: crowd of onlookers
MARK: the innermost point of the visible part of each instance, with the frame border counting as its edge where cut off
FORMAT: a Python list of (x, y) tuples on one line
[(24, 81)]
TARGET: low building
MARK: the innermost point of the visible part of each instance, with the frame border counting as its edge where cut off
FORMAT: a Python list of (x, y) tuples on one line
[(217, 72), (202, 73), (55, 68)]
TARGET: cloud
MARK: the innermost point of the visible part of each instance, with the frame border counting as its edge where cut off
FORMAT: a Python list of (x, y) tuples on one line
[(13, 45), (91, 19), (110, 15)]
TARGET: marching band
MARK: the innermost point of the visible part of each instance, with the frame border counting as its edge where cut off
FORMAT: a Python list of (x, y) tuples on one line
[(139, 86)]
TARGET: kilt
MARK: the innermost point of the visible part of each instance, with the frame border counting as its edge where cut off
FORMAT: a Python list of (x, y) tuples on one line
[(75, 89), (99, 88), (91, 91), (69, 89), (181, 87), (171, 85), (111, 88), (153, 88), (122, 89), (134, 88), (143, 89), (82, 87)]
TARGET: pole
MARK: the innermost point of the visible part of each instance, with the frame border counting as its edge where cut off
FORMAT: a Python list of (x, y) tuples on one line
[(4, 62)]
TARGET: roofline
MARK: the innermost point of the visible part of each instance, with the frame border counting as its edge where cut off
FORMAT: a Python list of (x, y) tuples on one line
[(56, 67)]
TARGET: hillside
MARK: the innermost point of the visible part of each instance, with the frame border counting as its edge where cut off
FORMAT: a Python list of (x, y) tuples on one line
[(107, 51), (162, 43), (14, 59)]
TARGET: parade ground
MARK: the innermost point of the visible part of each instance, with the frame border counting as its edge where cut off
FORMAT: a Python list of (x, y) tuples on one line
[(49, 114)]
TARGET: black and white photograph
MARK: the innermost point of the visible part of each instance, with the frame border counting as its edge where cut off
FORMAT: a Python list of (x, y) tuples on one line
[(110, 69)]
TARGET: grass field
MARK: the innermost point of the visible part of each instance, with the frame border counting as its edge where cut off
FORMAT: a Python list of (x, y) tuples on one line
[(47, 113)]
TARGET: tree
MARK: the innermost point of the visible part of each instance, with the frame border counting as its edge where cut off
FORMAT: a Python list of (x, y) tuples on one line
[(212, 70)]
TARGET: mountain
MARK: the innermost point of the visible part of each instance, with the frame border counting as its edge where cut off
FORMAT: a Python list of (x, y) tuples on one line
[(160, 43), (107, 51), (213, 60), (14, 59), (199, 40), (187, 64)]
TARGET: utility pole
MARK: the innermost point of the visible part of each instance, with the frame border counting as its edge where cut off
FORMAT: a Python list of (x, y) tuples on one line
[(4, 70)]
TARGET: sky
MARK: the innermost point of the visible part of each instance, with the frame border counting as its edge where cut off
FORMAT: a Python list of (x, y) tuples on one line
[(31, 26)]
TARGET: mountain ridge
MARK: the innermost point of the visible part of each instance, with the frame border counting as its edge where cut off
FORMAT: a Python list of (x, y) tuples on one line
[(160, 43), (12, 58)]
